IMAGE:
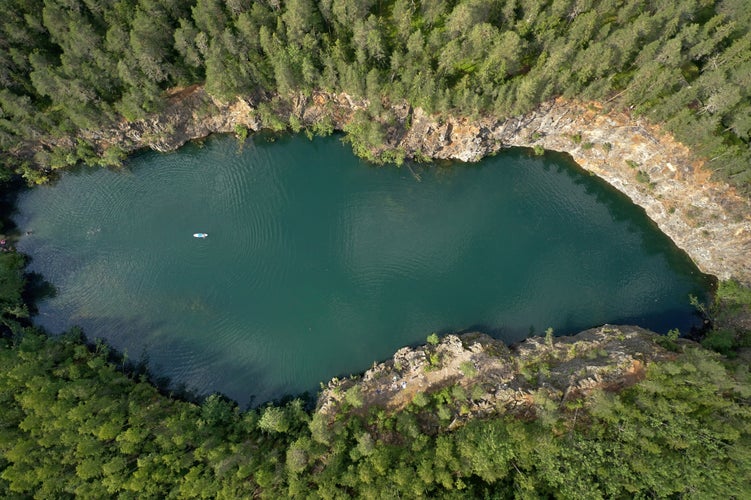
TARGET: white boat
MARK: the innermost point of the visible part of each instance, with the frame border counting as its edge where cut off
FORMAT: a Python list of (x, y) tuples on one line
[(200, 235)]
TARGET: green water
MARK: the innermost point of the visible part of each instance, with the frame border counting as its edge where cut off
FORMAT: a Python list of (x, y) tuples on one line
[(317, 264)]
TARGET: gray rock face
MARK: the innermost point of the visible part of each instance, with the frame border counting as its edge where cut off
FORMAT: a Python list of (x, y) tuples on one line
[(709, 220), (495, 379)]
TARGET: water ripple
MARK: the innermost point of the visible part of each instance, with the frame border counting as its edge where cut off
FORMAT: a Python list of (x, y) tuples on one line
[(317, 265)]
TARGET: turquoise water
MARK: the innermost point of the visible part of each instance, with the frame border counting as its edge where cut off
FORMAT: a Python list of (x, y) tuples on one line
[(317, 264)]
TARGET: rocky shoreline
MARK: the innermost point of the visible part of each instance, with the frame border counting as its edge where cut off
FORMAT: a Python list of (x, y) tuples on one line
[(707, 219), (481, 376)]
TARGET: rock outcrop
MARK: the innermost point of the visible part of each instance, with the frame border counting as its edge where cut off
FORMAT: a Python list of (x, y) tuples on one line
[(496, 379), (708, 219)]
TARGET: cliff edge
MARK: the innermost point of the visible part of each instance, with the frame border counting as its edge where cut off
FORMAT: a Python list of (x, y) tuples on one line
[(482, 376), (706, 218)]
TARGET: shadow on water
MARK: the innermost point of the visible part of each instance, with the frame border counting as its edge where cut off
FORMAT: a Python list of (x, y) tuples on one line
[(621, 209), (251, 387), (619, 205), (36, 290), (142, 366), (9, 196)]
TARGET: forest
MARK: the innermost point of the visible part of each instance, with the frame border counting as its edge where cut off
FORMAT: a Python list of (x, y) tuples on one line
[(72, 65), (78, 420)]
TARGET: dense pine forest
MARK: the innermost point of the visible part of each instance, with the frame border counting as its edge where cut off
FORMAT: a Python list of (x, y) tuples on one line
[(73, 424), (68, 65), (77, 420)]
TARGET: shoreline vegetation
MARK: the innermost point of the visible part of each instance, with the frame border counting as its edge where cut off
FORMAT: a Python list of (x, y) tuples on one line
[(88, 82)]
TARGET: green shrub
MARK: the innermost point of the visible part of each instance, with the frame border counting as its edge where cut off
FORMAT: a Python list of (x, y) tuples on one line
[(241, 132), (274, 420), (353, 396), (722, 341), (734, 292), (420, 399), (468, 369)]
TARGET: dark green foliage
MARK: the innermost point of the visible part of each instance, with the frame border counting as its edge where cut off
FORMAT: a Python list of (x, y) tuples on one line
[(730, 314), (74, 425), (12, 283), (66, 66), (720, 340)]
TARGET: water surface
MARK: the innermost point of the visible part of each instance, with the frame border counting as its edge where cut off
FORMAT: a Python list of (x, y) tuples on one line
[(317, 264)]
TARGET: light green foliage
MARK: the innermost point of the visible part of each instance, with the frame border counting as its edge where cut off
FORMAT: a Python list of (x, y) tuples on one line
[(443, 413), (241, 132), (433, 339), (721, 340), (642, 177), (270, 118), (112, 156), (727, 312), (71, 422), (66, 69), (733, 292), (323, 127), (668, 341), (297, 455), (72, 425), (366, 136), (468, 369), (458, 393), (319, 430), (274, 420), (294, 123), (420, 399), (353, 396), (434, 361), (549, 338), (632, 164)]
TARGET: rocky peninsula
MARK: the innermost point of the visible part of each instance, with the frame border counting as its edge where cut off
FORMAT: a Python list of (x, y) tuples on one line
[(481, 376)]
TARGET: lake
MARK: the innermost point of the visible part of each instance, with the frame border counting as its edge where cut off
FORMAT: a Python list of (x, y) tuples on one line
[(317, 264)]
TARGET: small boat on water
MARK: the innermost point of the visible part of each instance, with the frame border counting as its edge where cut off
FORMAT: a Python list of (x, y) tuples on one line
[(200, 235)]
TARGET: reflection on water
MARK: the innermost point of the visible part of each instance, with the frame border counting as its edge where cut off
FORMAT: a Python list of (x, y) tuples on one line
[(317, 264)]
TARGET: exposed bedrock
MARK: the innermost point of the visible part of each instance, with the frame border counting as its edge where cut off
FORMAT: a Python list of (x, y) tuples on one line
[(706, 218)]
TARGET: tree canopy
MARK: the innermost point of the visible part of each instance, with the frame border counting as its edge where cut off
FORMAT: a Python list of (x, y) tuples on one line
[(74, 424), (78, 64)]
